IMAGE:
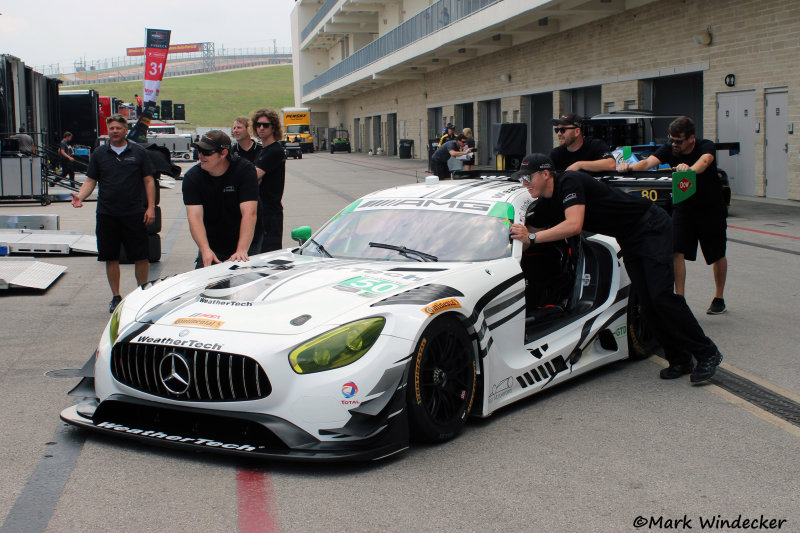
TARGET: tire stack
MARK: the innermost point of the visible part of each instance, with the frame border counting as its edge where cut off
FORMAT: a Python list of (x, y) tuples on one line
[(153, 230)]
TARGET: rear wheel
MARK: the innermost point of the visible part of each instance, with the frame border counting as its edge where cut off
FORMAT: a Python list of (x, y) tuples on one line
[(441, 384), (641, 340)]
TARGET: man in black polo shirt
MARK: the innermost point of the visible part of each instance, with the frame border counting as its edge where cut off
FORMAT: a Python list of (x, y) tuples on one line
[(442, 155), (701, 217), (271, 169), (125, 203), (576, 152), (576, 201), (221, 195)]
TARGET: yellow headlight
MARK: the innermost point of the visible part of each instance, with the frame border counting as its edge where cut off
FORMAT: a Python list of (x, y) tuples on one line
[(338, 347)]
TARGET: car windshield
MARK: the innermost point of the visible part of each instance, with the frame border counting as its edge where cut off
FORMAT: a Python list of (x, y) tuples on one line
[(298, 128), (447, 235)]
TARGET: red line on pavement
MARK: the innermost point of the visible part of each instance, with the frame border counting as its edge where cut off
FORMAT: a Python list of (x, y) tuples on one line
[(256, 495), (765, 232)]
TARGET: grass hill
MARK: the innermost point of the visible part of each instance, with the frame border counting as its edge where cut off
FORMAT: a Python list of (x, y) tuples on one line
[(215, 99)]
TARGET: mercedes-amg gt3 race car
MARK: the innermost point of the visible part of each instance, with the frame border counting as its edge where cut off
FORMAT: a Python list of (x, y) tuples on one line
[(407, 312)]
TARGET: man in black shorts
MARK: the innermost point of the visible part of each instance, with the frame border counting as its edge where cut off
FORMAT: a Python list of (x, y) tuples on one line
[(220, 194), (271, 169), (454, 148), (576, 152), (701, 217), (125, 203), (576, 201)]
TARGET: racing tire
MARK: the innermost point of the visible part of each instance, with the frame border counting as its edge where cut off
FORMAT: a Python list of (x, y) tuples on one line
[(441, 382), (299, 156), (641, 340)]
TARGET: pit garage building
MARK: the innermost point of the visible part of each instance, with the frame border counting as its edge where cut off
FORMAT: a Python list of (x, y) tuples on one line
[(391, 70)]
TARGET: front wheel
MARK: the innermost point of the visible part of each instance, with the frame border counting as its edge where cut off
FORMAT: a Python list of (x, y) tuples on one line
[(641, 340), (441, 384)]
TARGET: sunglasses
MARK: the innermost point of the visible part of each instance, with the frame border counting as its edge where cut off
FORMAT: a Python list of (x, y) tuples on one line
[(564, 128), (263, 124), (677, 142), (206, 152)]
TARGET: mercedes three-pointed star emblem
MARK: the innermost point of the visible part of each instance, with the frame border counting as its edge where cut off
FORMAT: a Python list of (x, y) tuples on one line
[(175, 374)]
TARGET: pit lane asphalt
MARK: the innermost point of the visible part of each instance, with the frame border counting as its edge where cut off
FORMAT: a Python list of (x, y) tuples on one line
[(591, 455)]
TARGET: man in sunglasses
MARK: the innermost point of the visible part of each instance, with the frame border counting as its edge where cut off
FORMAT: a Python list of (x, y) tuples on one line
[(574, 201), (576, 152), (701, 217), (442, 155), (221, 196), (271, 169)]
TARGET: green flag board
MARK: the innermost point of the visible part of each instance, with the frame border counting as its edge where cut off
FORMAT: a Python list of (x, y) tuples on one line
[(684, 185)]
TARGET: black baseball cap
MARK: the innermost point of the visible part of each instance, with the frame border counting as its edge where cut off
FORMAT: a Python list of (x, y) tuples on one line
[(214, 140), (533, 163), (568, 119)]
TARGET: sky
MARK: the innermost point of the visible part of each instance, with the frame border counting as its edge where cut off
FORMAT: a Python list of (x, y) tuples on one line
[(53, 31)]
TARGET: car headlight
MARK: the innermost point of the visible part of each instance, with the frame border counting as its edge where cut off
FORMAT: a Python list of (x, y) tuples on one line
[(113, 326), (338, 347)]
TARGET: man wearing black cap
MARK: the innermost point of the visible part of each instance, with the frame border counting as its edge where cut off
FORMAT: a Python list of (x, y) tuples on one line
[(448, 135), (576, 152), (221, 197), (574, 201)]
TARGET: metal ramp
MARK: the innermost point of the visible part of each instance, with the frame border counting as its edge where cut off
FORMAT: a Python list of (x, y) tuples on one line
[(28, 274), (51, 242)]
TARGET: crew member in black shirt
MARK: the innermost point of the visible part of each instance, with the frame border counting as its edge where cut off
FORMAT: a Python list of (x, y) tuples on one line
[(271, 170), (245, 146), (644, 233), (221, 194), (125, 203), (449, 149), (576, 152), (701, 217)]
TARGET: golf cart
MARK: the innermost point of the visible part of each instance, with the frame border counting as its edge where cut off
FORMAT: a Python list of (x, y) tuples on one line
[(341, 142)]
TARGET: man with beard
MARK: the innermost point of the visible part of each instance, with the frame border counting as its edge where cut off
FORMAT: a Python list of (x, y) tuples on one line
[(220, 194), (575, 201), (701, 217), (576, 152), (125, 203), (271, 169)]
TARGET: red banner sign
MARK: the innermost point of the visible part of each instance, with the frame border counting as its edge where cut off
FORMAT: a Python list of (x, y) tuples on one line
[(155, 62)]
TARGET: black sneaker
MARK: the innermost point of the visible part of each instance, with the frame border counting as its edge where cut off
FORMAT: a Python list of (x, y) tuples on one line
[(114, 303), (675, 371), (717, 307), (705, 369)]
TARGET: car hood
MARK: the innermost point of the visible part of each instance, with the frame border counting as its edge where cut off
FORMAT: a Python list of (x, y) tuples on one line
[(283, 293)]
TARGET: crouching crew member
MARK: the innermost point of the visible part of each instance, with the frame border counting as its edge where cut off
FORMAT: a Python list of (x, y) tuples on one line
[(221, 196)]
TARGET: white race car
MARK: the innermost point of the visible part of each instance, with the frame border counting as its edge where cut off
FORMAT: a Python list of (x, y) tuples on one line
[(408, 311)]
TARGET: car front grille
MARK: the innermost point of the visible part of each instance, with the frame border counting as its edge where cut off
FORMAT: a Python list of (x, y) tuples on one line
[(188, 374)]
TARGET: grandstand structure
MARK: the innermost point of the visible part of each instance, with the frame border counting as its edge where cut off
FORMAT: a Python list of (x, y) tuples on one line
[(209, 58)]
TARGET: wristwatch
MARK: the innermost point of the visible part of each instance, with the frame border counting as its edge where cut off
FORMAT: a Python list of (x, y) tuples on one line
[(532, 237)]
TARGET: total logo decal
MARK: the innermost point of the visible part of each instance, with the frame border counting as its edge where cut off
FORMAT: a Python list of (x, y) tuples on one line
[(349, 390)]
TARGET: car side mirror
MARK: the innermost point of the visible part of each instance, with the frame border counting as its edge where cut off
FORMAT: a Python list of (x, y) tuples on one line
[(301, 234)]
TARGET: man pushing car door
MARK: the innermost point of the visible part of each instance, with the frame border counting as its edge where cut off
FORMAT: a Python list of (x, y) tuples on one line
[(573, 201)]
